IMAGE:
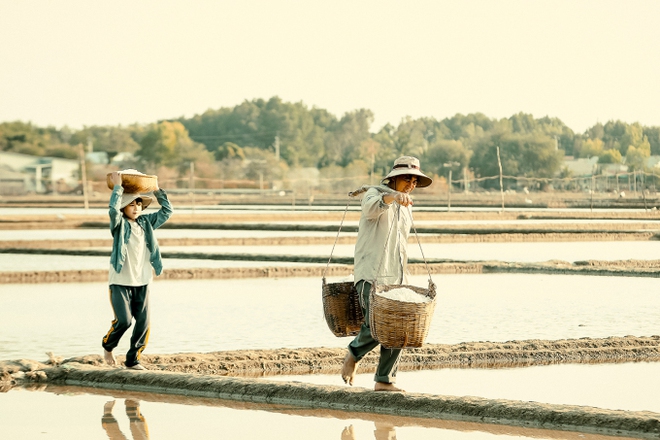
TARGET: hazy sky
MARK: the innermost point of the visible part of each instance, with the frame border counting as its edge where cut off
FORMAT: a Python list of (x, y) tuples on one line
[(87, 62)]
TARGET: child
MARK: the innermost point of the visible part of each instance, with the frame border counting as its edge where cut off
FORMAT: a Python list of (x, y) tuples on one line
[(134, 252)]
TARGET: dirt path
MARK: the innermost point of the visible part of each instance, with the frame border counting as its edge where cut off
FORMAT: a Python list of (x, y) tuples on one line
[(431, 356), (172, 374)]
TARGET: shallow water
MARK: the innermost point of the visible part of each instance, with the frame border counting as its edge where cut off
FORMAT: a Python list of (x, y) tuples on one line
[(36, 262), (100, 234), (509, 252), (210, 315), (512, 252), (624, 386), (71, 413)]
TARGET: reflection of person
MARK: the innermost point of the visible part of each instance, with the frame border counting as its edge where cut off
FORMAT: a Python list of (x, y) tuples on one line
[(138, 424), (134, 252), (383, 431), (381, 255)]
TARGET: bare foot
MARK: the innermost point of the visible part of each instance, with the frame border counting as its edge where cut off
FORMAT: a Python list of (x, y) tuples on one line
[(109, 357), (382, 386), (348, 370), (136, 367)]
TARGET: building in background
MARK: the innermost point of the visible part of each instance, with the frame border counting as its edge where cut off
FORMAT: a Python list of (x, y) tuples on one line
[(25, 174)]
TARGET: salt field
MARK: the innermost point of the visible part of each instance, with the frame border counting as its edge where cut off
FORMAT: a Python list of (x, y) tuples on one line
[(621, 386), (206, 315), (510, 252), (104, 233), (213, 315), (37, 262)]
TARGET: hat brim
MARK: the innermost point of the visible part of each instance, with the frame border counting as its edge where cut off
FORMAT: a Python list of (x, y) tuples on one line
[(127, 199), (422, 179)]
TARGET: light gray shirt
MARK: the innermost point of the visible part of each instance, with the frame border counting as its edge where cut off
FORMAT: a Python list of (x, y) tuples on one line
[(381, 252)]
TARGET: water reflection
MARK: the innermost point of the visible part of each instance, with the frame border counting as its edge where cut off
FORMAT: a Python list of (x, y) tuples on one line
[(138, 424), (383, 431), (72, 412)]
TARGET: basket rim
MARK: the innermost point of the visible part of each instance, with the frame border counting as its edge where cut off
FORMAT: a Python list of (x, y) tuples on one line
[(425, 291), (148, 176)]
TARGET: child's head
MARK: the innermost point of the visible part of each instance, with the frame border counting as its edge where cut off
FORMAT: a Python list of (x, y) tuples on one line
[(132, 205)]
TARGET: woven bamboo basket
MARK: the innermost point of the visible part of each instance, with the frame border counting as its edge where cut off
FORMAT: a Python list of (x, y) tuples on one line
[(400, 324), (341, 308), (135, 183)]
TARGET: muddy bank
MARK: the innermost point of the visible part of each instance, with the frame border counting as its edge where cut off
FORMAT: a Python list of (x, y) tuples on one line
[(431, 356), (344, 267), (255, 363), (205, 375), (471, 409)]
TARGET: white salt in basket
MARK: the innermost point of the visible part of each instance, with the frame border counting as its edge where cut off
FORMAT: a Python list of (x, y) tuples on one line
[(401, 319)]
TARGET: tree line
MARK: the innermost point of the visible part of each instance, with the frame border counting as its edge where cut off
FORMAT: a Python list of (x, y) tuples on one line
[(264, 139)]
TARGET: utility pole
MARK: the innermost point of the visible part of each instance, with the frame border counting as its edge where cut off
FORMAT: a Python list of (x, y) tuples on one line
[(499, 163), (83, 176), (277, 147), (192, 184), (449, 165), (593, 189), (373, 164), (466, 188), (449, 193)]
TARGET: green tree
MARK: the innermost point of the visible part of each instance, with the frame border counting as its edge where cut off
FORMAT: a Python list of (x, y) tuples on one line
[(635, 157), (167, 143), (261, 164), (521, 155), (591, 147), (446, 153), (229, 150), (345, 137), (610, 156), (652, 134)]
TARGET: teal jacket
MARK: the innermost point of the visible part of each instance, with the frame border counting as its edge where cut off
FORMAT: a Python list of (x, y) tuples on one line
[(121, 231)]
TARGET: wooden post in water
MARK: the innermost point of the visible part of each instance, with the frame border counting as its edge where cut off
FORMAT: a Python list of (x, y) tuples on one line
[(499, 163)]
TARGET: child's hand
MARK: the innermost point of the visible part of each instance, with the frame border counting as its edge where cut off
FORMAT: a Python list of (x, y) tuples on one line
[(115, 178)]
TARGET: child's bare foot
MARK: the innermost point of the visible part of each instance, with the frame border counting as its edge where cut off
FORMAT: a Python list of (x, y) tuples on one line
[(382, 386), (109, 357), (348, 370)]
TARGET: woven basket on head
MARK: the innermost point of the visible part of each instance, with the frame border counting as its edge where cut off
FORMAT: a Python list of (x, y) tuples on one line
[(135, 183), (400, 324), (341, 308)]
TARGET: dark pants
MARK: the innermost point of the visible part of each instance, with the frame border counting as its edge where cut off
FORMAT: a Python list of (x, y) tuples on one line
[(388, 363), (128, 303)]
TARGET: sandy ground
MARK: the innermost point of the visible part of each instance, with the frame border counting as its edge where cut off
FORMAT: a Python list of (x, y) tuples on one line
[(207, 375)]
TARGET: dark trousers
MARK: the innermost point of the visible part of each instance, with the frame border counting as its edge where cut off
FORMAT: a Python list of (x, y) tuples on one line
[(128, 303), (388, 363)]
